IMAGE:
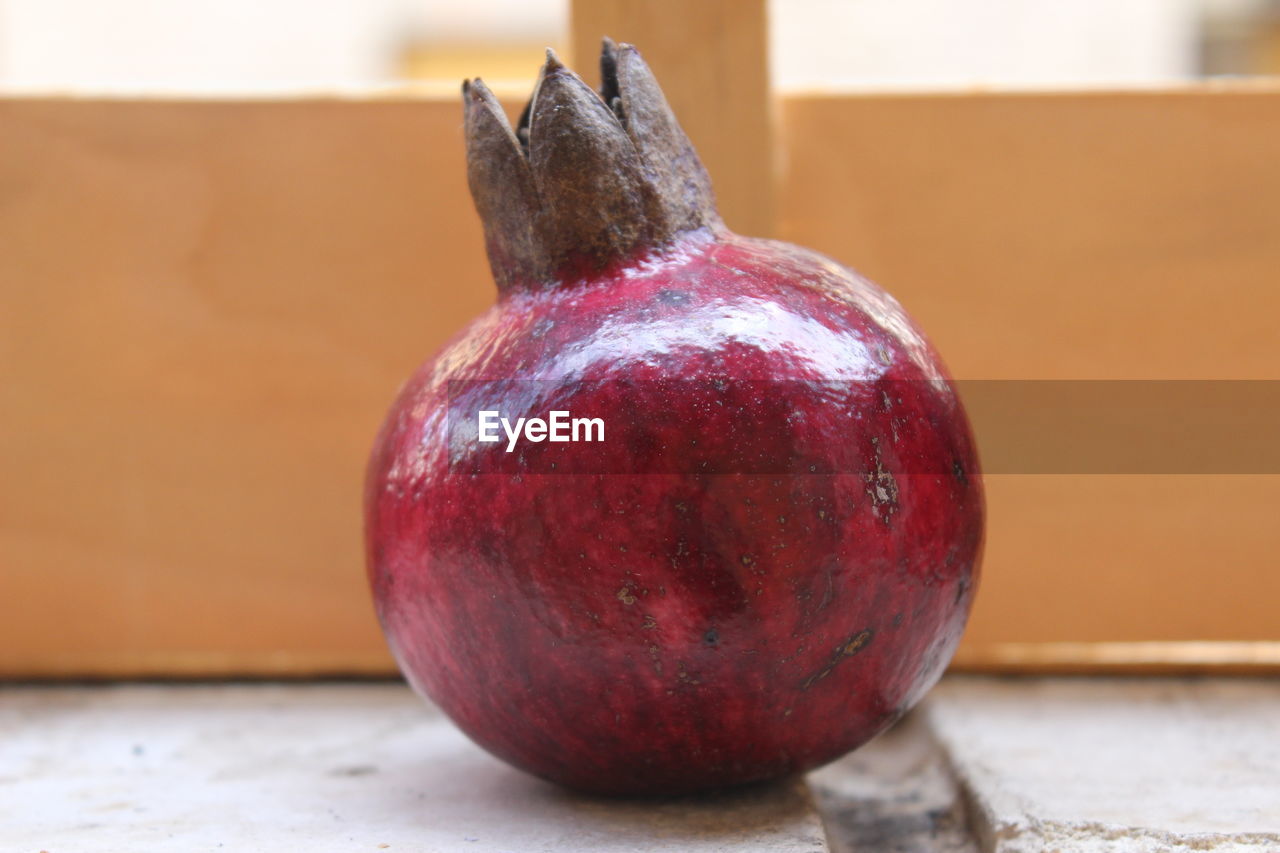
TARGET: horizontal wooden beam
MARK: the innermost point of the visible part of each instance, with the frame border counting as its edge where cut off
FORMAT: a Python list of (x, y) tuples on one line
[(209, 306)]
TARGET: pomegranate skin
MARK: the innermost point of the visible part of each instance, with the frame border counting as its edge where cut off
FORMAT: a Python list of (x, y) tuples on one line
[(699, 619)]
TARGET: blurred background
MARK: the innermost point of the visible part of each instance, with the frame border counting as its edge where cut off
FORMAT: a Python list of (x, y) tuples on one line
[(271, 45)]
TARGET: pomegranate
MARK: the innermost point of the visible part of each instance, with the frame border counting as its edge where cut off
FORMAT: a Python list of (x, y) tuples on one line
[(762, 546)]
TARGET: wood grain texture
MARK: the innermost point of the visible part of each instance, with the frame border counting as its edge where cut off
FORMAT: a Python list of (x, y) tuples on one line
[(1147, 657), (208, 307), (1055, 236), (711, 58)]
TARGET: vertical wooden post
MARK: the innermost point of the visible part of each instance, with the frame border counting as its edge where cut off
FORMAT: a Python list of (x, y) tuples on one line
[(712, 59)]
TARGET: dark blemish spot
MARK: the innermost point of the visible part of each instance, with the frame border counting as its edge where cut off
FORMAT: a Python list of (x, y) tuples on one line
[(958, 470), (961, 589), (829, 595), (674, 297), (747, 560), (138, 749), (897, 619), (684, 677), (855, 643), (711, 638), (355, 770), (844, 651)]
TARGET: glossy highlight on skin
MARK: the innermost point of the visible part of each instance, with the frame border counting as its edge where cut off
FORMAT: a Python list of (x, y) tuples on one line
[(666, 630)]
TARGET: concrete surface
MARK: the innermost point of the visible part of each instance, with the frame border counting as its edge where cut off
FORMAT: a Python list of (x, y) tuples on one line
[(1000, 766), (319, 768), (1090, 765)]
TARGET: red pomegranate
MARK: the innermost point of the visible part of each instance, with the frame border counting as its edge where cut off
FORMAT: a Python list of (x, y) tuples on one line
[(763, 545)]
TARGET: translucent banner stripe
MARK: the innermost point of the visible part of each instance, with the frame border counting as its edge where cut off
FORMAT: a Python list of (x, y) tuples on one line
[(1021, 427)]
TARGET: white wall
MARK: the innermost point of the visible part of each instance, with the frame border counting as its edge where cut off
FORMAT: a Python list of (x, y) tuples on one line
[(932, 43), (233, 45), (221, 45)]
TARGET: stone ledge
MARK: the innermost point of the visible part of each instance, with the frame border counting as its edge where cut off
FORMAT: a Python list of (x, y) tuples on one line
[(1004, 766), (1091, 765), (322, 768)]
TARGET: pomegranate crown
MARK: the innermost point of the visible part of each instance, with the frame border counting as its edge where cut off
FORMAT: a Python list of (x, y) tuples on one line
[(587, 177)]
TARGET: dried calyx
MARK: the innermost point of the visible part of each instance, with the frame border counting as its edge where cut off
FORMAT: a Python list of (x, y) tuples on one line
[(587, 177)]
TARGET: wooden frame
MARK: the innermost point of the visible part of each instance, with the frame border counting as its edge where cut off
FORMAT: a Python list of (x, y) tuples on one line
[(207, 306)]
